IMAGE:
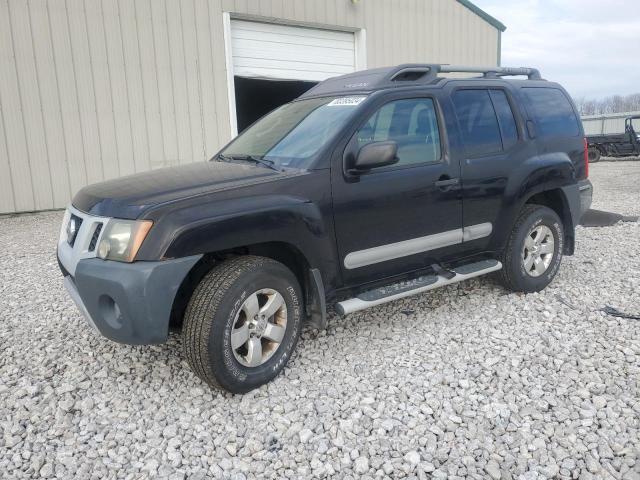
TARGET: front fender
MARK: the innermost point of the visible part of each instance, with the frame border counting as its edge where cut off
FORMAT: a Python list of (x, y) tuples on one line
[(242, 222)]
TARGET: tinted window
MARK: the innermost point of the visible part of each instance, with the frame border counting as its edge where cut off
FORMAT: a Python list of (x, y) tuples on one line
[(505, 118), (411, 123), (478, 122), (552, 112)]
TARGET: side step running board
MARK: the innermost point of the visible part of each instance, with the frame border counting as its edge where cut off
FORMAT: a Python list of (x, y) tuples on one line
[(395, 291)]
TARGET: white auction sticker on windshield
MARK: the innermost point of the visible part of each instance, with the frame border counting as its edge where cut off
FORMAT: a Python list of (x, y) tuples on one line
[(346, 101)]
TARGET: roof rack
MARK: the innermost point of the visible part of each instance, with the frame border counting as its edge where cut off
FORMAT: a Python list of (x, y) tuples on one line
[(411, 73), (428, 72), (493, 72)]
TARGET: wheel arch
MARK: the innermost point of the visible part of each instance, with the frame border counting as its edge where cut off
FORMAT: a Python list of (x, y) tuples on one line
[(556, 200), (284, 252)]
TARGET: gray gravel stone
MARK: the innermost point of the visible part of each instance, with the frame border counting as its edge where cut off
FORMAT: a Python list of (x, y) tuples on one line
[(412, 457), (305, 435), (361, 465), (493, 469), (464, 382)]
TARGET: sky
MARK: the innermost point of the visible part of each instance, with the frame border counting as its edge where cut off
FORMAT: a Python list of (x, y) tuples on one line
[(591, 47)]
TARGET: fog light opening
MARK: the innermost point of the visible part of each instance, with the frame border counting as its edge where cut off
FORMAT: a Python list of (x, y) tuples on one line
[(110, 311)]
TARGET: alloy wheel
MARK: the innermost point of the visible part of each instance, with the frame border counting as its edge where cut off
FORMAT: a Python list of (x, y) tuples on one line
[(538, 250), (259, 327)]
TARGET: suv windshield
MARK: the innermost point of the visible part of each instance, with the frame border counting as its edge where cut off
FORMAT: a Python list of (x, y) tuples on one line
[(292, 135)]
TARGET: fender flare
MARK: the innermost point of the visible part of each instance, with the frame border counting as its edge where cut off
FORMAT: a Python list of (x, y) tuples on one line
[(228, 227), (547, 173)]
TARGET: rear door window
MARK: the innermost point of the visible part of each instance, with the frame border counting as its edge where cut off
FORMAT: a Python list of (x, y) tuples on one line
[(552, 112), (478, 122)]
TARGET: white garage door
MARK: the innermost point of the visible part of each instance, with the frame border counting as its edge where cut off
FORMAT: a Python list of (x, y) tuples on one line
[(266, 50)]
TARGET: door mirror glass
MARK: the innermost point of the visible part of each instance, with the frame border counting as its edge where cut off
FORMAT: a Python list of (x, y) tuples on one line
[(376, 154)]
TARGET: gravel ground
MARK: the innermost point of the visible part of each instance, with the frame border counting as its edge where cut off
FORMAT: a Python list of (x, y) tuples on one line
[(619, 159), (464, 381)]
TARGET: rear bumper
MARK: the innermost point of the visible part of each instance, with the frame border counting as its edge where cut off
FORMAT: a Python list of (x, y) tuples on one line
[(586, 196), (578, 197), (128, 302)]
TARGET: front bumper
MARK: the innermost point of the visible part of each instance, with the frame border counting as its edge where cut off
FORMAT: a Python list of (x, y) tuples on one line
[(128, 302)]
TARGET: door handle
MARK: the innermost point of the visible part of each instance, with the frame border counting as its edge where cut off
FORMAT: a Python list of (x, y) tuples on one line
[(531, 129), (447, 182)]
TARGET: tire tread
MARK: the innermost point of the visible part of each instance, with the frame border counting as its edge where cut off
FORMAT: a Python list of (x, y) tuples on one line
[(201, 309), (505, 274)]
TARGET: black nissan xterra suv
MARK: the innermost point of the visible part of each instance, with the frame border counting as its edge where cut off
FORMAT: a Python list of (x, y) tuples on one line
[(370, 187)]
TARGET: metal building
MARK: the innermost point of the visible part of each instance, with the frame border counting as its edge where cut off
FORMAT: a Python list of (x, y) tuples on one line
[(96, 89), (609, 123)]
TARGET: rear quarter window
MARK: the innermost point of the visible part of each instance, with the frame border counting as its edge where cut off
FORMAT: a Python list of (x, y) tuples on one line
[(505, 117), (552, 112)]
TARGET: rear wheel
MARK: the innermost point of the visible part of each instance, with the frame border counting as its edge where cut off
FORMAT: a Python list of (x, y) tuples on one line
[(533, 253), (594, 154), (242, 323)]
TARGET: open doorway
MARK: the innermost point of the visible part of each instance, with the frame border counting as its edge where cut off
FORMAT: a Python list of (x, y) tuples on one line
[(257, 97)]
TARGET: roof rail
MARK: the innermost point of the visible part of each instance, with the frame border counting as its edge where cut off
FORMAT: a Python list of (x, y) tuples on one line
[(493, 72), (428, 72)]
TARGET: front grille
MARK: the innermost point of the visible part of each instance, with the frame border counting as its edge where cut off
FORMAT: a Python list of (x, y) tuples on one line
[(94, 238)]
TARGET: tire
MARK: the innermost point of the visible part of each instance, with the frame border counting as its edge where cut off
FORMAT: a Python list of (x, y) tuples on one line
[(521, 272), (593, 154), (222, 303)]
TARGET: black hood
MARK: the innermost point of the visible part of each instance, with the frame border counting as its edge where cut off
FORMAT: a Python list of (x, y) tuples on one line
[(130, 196)]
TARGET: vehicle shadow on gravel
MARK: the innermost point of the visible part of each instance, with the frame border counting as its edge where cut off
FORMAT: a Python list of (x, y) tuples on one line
[(313, 342)]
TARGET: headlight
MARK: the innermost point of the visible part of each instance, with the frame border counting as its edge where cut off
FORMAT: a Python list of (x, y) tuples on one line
[(121, 239)]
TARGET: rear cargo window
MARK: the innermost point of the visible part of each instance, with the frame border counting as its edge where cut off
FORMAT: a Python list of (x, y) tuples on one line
[(552, 112), (478, 122)]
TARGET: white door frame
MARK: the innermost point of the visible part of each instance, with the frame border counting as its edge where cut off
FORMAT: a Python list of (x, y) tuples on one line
[(360, 48), (231, 89)]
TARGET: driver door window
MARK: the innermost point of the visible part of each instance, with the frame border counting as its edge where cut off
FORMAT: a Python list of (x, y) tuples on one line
[(412, 124)]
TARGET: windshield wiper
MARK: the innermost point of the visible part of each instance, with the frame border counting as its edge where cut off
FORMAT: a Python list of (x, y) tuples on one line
[(250, 158)]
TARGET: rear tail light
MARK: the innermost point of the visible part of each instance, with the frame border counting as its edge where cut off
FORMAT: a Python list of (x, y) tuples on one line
[(586, 159)]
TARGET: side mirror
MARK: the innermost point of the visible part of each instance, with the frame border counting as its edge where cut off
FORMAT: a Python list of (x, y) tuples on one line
[(374, 155)]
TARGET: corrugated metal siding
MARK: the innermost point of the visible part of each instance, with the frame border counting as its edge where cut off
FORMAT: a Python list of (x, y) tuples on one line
[(610, 123), (95, 89)]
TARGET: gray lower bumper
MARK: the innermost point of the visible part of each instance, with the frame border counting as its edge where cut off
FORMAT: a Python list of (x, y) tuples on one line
[(586, 195), (75, 296), (128, 302)]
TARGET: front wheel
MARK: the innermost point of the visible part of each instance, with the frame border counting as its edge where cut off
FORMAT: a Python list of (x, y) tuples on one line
[(533, 253), (242, 323)]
